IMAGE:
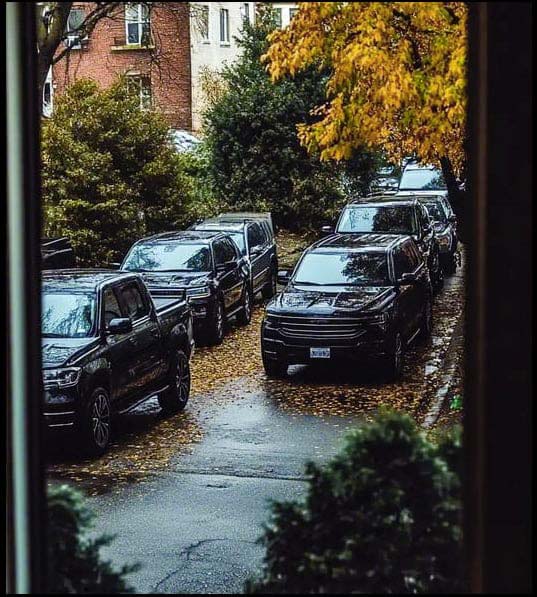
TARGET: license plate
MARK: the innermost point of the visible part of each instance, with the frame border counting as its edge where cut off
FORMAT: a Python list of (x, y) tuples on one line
[(319, 353)]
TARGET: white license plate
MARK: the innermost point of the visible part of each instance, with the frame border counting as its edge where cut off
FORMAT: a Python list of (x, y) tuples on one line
[(319, 353)]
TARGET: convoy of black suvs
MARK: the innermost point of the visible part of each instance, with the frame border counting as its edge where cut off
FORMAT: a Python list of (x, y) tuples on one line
[(113, 338)]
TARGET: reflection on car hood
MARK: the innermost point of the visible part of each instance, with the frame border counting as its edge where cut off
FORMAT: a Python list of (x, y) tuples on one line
[(331, 299), (56, 352), (177, 279)]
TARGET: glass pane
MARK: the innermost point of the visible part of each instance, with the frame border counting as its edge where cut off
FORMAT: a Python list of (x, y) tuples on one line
[(133, 36), (67, 315), (131, 13), (343, 269)]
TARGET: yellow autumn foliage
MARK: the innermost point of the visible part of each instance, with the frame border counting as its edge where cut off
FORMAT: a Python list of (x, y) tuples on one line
[(397, 76)]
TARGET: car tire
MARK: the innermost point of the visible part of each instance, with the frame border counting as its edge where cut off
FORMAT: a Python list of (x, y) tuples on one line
[(175, 398), (245, 315), (217, 328), (394, 361), (439, 276), (427, 320), (270, 288), (452, 265), (274, 368), (96, 426)]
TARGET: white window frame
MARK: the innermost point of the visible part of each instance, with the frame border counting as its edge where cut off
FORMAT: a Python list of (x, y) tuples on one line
[(245, 12), (141, 20), (224, 27), (138, 80), (48, 107), (74, 41), (206, 39)]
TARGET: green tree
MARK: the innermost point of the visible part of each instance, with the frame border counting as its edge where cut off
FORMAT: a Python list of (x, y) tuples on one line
[(109, 173), (257, 161), (74, 564), (381, 517)]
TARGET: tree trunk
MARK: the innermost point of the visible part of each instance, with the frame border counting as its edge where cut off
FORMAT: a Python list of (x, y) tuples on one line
[(457, 198)]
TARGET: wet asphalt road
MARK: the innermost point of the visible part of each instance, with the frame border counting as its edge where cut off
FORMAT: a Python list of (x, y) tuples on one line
[(187, 496)]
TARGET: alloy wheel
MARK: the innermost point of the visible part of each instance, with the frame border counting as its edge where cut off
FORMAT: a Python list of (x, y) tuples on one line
[(100, 420), (182, 378)]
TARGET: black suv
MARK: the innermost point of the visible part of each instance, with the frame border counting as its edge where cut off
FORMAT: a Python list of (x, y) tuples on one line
[(254, 235), (349, 297), (106, 347), (445, 226), (207, 266), (394, 216)]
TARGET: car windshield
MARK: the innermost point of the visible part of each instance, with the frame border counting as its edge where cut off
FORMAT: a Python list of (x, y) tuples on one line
[(342, 269), (423, 179), (391, 219), (169, 256), (436, 211), (67, 315)]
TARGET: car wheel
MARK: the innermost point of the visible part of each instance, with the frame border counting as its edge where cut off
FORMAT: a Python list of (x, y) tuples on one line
[(245, 315), (217, 327), (394, 361), (439, 278), (427, 320), (274, 368), (452, 265), (270, 288), (176, 397), (96, 428)]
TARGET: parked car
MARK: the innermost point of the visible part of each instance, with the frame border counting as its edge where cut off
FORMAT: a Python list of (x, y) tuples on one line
[(207, 266), (183, 141), (445, 226), (425, 179), (349, 298), (390, 215), (107, 346), (57, 253), (254, 235)]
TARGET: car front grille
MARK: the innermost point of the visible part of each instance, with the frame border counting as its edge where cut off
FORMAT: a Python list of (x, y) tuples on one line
[(321, 328)]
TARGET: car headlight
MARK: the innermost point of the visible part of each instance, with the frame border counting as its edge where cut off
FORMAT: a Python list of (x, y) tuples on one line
[(62, 378), (444, 240), (198, 292)]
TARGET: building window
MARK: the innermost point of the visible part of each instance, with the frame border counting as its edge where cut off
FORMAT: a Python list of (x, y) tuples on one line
[(224, 26), (48, 95), (140, 85), (278, 17), (292, 13), (74, 21), (137, 25), (245, 10), (204, 23)]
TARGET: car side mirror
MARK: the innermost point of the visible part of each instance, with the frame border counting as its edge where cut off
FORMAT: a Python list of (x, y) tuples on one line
[(284, 275), (327, 230), (119, 325), (407, 279)]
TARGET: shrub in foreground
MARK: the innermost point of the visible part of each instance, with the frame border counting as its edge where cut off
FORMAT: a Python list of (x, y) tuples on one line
[(381, 517), (74, 563)]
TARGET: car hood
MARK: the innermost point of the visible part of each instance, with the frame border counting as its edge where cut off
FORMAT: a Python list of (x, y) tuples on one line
[(56, 352), (328, 300), (174, 279)]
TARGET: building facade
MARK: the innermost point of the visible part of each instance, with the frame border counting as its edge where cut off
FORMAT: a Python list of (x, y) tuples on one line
[(167, 52)]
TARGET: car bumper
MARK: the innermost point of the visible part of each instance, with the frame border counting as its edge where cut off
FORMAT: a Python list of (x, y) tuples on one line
[(202, 311), (60, 409)]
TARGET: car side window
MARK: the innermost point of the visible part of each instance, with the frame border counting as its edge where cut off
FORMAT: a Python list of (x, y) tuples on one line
[(413, 254), (219, 252), (402, 263), (133, 301), (255, 236), (230, 250), (111, 307)]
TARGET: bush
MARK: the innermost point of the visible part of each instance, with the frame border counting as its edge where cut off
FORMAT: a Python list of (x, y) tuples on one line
[(381, 517), (257, 161), (109, 173), (74, 563)]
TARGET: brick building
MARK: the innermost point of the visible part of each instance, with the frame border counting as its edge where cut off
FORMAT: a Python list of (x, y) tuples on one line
[(151, 48), (163, 51)]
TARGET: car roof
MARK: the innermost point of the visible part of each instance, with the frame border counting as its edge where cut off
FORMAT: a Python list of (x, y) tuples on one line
[(182, 235), (81, 279), (217, 224), (384, 201), (343, 243)]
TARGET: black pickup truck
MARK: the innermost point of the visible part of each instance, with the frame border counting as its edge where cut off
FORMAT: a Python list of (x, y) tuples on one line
[(351, 297), (106, 347)]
